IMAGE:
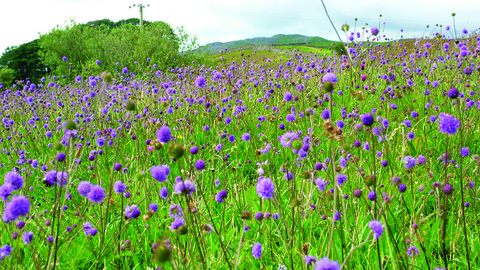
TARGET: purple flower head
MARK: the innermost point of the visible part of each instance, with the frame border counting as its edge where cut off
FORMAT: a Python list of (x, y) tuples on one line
[(448, 124), (468, 71), (453, 93), (372, 196), (164, 135), (221, 196), (132, 211), (288, 176), (163, 192), (50, 178), (16, 207), (310, 260), (6, 191), (93, 231), (153, 207), (367, 119), (259, 216), (330, 77), (193, 150), (290, 117), (318, 166), (246, 137), (6, 250), (288, 96), (409, 162), (257, 250), (61, 179), (199, 165), (326, 264), (374, 31), (287, 138), (413, 251), (117, 166), (341, 178), (465, 151), (27, 237), (177, 223), (186, 186), (321, 184), (402, 188), (100, 141), (175, 211), (160, 173), (200, 82), (421, 160), (14, 179), (119, 187), (96, 194), (376, 227), (447, 189), (265, 188), (87, 227), (325, 114), (84, 188)]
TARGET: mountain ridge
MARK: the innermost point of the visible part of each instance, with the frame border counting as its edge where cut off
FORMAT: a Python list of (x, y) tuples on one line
[(278, 39)]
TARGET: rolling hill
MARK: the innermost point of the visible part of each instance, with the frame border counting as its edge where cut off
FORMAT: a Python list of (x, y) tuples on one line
[(276, 40)]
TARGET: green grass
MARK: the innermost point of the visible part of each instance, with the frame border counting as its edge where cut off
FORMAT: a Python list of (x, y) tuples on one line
[(254, 94)]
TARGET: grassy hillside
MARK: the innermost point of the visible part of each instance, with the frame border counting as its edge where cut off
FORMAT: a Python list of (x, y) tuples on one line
[(270, 56), (279, 39)]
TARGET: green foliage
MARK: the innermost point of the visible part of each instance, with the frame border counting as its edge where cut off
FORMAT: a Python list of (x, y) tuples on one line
[(25, 62), (111, 24), (6, 75), (111, 43), (340, 49)]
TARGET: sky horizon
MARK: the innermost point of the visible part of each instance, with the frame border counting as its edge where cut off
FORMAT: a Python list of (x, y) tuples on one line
[(222, 21)]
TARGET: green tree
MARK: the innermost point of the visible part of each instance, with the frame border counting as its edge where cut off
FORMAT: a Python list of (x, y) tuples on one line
[(25, 61), (97, 23), (6, 76), (83, 45)]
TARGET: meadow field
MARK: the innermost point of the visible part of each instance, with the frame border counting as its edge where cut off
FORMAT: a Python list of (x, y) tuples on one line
[(366, 159)]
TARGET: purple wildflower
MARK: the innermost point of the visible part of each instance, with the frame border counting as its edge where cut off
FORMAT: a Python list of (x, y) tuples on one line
[(376, 227), (160, 173), (265, 188), (326, 264), (448, 124), (164, 135), (257, 250)]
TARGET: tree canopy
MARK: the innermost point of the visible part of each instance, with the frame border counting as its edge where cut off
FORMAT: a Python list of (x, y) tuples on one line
[(25, 61), (75, 48)]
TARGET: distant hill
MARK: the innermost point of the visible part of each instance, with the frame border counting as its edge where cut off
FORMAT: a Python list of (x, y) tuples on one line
[(279, 39)]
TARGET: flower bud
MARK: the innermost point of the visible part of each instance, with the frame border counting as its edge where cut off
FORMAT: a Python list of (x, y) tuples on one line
[(176, 151), (328, 87), (246, 215), (130, 106)]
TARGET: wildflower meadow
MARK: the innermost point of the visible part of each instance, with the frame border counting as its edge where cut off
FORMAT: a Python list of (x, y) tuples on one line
[(364, 158)]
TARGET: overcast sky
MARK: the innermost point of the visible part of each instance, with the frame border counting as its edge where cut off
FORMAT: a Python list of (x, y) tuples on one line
[(225, 20)]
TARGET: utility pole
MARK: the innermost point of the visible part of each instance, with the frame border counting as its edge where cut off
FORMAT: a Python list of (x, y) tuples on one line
[(140, 7)]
